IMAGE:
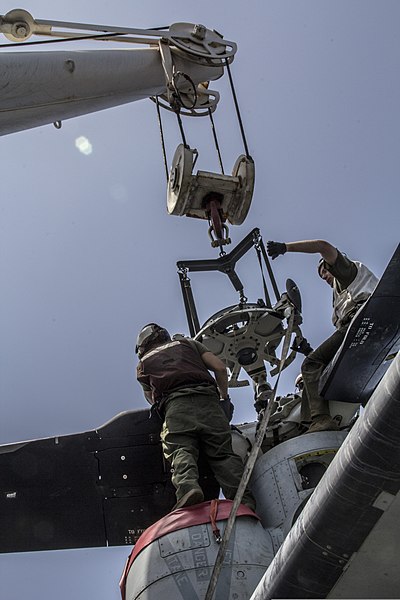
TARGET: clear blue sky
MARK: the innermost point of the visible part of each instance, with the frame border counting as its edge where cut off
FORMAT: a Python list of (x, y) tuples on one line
[(88, 253)]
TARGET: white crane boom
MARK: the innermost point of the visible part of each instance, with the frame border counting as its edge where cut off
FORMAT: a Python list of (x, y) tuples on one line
[(43, 87)]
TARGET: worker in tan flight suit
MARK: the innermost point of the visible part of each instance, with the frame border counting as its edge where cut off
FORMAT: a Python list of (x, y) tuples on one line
[(195, 408), (352, 284)]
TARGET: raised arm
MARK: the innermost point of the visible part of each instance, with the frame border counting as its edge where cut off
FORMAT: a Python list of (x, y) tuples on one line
[(324, 248)]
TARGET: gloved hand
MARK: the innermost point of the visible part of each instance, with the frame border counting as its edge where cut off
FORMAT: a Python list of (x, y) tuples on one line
[(227, 407), (303, 347), (274, 249), (259, 405)]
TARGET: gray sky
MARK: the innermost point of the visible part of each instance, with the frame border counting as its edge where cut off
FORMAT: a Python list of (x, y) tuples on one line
[(88, 252)]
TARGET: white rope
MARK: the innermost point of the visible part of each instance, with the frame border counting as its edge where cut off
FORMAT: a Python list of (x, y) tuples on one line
[(248, 468)]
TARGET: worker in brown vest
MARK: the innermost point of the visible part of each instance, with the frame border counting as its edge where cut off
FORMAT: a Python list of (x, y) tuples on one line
[(196, 410)]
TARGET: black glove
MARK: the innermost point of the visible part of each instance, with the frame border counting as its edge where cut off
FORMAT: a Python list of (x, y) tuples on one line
[(259, 405), (303, 347), (274, 249), (227, 407)]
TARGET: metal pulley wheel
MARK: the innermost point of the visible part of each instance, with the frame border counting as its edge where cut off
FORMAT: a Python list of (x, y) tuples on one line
[(18, 25), (200, 41), (244, 170), (179, 180)]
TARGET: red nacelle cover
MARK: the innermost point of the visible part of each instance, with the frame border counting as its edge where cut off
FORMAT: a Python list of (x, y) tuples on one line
[(180, 519)]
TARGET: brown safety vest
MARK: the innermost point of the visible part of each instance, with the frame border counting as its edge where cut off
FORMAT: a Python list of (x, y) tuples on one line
[(173, 365)]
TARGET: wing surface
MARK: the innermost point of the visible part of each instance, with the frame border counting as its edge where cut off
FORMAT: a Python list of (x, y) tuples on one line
[(97, 488)]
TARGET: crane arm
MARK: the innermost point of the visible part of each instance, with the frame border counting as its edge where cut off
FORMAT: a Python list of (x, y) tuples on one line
[(43, 87)]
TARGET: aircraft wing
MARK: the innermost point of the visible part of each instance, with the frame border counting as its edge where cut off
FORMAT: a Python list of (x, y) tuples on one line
[(371, 341), (97, 488)]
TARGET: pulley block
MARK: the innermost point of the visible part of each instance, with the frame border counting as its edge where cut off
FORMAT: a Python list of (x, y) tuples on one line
[(188, 194), (201, 42)]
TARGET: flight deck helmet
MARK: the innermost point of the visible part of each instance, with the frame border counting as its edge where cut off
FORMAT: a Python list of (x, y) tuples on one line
[(299, 383), (149, 335), (321, 265)]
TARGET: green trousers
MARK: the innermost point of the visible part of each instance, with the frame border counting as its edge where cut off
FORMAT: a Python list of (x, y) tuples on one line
[(196, 422), (312, 404)]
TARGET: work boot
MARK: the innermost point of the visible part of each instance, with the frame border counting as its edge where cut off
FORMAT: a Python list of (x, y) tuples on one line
[(193, 496), (250, 504), (249, 501), (323, 423)]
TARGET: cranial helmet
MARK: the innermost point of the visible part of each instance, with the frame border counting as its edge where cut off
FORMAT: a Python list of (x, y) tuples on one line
[(321, 265), (148, 335), (299, 383)]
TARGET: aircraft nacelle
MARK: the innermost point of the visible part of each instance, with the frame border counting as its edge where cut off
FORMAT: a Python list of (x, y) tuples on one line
[(324, 499)]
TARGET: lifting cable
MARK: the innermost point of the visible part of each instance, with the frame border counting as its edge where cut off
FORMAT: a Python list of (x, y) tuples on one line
[(269, 269), (162, 136), (249, 466), (99, 36), (214, 131), (161, 129), (266, 294), (237, 109), (213, 128), (178, 116), (176, 110)]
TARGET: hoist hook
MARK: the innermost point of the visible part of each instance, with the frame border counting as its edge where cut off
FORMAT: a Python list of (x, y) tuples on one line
[(218, 227)]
